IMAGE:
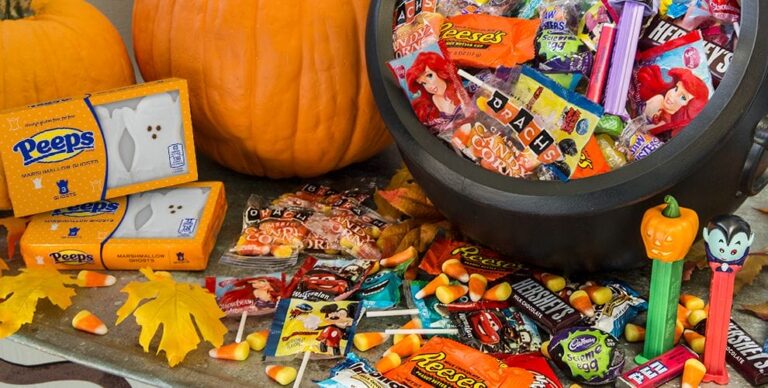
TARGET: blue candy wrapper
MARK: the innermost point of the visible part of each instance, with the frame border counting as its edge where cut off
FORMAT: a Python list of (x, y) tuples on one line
[(433, 314), (381, 290), (495, 328), (353, 372), (613, 316)]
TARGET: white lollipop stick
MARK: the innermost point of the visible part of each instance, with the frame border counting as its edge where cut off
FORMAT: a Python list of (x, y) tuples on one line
[(240, 329), (391, 313), (300, 373), (421, 331)]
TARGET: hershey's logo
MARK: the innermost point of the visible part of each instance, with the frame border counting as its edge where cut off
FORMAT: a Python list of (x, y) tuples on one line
[(543, 299)]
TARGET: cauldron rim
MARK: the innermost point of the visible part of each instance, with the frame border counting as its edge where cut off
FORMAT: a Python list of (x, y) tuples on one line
[(648, 177)]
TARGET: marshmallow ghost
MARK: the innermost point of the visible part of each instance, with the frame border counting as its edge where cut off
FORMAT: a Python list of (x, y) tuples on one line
[(113, 128), (155, 127), (136, 215), (174, 214)]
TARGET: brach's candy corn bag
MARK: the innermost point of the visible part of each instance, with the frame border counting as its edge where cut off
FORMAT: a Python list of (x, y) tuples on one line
[(475, 259), (671, 84), (323, 328), (486, 41), (320, 198), (573, 118), (486, 7), (407, 10), (486, 142), (495, 328), (543, 375), (256, 295), (423, 30), (355, 235), (328, 279), (586, 355), (428, 78), (354, 371), (445, 363)]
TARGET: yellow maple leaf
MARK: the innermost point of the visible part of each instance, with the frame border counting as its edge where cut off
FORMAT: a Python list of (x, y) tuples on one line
[(25, 289), (173, 305)]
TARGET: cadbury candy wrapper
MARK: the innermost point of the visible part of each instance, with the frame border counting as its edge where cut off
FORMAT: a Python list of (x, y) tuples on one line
[(324, 328), (495, 328), (354, 371), (255, 295), (327, 280), (587, 355)]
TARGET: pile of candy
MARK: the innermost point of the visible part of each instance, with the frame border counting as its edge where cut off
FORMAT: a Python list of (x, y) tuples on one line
[(560, 89)]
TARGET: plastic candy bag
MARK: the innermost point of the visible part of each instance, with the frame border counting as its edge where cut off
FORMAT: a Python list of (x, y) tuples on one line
[(256, 295)]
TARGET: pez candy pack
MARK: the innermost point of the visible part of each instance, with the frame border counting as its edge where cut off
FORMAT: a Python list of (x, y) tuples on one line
[(165, 229), (103, 145)]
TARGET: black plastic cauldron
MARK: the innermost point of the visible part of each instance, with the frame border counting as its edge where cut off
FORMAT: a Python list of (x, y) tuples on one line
[(594, 223)]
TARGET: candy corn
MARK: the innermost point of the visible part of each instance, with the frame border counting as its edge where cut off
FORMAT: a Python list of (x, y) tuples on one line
[(682, 315), (89, 323), (431, 287), (388, 362), (414, 323), (679, 328), (365, 341), (237, 351), (94, 279), (553, 282), (545, 349), (477, 285), (409, 345), (284, 375), (599, 294), (691, 302), (634, 333), (581, 302), (400, 257), (447, 294), (455, 270), (694, 340), (257, 340), (696, 316), (693, 373), (499, 292)]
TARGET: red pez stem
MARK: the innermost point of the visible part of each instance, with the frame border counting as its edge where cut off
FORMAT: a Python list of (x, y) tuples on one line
[(720, 303)]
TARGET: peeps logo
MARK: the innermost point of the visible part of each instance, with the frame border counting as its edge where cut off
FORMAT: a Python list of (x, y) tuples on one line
[(88, 209), (71, 257), (54, 145)]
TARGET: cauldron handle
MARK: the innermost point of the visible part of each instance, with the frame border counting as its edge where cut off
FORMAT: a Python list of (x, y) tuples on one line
[(754, 176)]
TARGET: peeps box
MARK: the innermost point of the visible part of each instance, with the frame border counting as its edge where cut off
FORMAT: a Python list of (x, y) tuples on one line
[(166, 229), (104, 145)]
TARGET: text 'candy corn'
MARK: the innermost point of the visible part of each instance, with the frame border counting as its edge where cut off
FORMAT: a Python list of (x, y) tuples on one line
[(365, 341), (234, 351), (477, 285), (447, 294), (455, 270), (89, 323), (87, 278), (257, 340), (284, 375), (431, 287)]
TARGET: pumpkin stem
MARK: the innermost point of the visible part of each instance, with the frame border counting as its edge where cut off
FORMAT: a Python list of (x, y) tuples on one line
[(673, 209), (15, 9)]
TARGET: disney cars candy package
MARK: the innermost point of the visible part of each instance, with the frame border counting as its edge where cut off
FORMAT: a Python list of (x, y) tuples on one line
[(100, 146)]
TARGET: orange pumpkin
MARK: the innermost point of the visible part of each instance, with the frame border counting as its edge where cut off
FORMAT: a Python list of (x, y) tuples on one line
[(277, 88), (668, 230), (56, 48)]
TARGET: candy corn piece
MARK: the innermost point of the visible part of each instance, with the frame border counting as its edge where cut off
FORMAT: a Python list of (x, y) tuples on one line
[(634, 333), (691, 302), (447, 294), (257, 340), (409, 345), (284, 375), (89, 323), (682, 315), (553, 282), (388, 362), (374, 268), (581, 301), (693, 373), (87, 278), (414, 323), (237, 351), (477, 285), (599, 294), (431, 287), (399, 257), (696, 316), (499, 292), (694, 340), (365, 341), (545, 349), (455, 270), (679, 328)]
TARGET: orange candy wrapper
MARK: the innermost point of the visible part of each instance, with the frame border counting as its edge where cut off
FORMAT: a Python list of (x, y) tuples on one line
[(485, 41), (475, 259), (442, 362)]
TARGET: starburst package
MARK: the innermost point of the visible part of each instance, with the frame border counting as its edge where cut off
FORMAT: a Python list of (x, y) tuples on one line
[(165, 229), (104, 145)]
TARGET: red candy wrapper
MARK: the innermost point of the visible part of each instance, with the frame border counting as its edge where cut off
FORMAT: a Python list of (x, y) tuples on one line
[(543, 375), (657, 371), (327, 280), (257, 295), (475, 259), (726, 11)]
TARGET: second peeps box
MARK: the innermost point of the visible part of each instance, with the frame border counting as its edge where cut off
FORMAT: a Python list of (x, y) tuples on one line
[(104, 145)]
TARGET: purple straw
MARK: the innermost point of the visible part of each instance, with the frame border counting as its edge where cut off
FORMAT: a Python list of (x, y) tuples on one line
[(623, 58)]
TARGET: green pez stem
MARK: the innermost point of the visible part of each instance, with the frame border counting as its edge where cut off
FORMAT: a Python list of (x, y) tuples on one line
[(662, 309)]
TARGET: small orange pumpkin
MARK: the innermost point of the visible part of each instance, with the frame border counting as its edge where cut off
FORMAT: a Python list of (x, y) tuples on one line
[(277, 88), (56, 48), (668, 230)]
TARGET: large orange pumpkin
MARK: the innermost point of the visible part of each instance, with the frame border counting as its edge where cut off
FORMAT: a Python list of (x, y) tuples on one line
[(278, 88), (56, 48)]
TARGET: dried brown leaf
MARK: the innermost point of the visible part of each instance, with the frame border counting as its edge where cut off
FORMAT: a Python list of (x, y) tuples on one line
[(411, 201), (390, 237), (750, 271), (760, 310)]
